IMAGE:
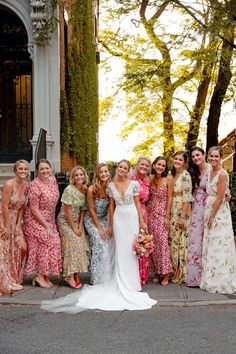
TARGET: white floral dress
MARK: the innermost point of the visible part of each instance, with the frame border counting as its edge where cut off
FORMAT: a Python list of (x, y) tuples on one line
[(219, 257)]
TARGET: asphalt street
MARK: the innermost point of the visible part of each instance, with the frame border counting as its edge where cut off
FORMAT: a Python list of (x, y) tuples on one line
[(162, 329)]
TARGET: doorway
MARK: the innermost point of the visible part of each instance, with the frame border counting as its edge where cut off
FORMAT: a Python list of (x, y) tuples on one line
[(16, 114)]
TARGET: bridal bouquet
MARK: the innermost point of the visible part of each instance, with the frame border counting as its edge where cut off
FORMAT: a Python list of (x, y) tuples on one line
[(142, 248), (143, 244)]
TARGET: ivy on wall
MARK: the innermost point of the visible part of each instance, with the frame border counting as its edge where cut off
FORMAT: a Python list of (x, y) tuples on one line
[(79, 103)]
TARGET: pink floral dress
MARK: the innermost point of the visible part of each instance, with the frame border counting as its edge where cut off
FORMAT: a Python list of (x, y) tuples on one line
[(143, 197), (44, 251), (12, 255), (160, 261), (143, 194), (194, 261)]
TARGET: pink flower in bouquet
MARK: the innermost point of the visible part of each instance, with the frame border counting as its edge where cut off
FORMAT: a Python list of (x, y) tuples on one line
[(148, 246), (140, 238)]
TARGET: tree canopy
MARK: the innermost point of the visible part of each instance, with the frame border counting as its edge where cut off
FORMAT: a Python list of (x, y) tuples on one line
[(178, 66)]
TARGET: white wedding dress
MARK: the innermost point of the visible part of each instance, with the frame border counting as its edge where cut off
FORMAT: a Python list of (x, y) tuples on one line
[(122, 291)]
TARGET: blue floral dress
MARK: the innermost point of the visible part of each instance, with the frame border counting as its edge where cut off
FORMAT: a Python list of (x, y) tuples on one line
[(100, 248)]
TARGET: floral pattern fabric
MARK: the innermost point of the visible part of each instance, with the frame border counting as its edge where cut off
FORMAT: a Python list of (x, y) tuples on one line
[(12, 255), (75, 249), (143, 195), (219, 257), (178, 238), (44, 251), (194, 262), (160, 262), (100, 262)]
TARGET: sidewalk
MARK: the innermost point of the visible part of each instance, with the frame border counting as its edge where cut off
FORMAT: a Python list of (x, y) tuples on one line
[(171, 295)]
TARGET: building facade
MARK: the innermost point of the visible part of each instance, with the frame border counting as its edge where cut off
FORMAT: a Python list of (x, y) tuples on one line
[(34, 37), (30, 85)]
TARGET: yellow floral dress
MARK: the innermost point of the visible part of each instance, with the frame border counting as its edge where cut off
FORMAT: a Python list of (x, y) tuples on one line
[(75, 249), (179, 237)]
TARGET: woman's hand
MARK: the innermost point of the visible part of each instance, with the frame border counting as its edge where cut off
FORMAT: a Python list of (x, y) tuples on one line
[(102, 233), (227, 197), (50, 231), (109, 231), (77, 230), (6, 233), (143, 226), (210, 222)]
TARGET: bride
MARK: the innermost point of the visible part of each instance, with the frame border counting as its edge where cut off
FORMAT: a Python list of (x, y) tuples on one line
[(122, 291)]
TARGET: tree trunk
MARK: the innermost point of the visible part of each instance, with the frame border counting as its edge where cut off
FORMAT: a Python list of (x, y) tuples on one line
[(168, 125), (220, 89), (196, 116)]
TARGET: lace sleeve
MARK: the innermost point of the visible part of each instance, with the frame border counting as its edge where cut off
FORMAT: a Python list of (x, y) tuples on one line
[(109, 190)]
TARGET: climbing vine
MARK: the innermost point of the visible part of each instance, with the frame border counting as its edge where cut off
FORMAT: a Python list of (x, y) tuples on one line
[(79, 105)]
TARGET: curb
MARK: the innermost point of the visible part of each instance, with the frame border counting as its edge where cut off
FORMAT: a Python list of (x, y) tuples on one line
[(162, 303)]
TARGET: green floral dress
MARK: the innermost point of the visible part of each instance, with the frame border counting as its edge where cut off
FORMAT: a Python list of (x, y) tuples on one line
[(179, 237), (75, 249)]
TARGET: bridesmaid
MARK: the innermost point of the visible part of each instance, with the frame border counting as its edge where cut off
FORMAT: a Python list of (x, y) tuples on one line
[(141, 175), (96, 224), (180, 216), (219, 257), (12, 242), (40, 229), (158, 207), (70, 221), (199, 170)]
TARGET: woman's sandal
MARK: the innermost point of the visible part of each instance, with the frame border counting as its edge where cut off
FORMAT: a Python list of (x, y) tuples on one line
[(77, 285), (165, 281), (155, 280)]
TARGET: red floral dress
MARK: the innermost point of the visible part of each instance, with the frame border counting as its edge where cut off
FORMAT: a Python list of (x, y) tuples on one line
[(44, 251), (160, 261)]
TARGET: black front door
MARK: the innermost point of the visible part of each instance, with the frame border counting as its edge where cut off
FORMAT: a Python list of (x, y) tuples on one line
[(16, 121)]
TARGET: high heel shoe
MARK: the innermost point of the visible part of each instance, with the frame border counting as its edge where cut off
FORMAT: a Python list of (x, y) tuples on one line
[(73, 286), (39, 283), (16, 287), (78, 284), (155, 280), (177, 276), (165, 281)]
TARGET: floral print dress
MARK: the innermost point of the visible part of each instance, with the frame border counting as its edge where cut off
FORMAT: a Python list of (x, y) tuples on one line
[(12, 258), (160, 262), (178, 238), (44, 251), (194, 262), (75, 249), (100, 262), (219, 257), (143, 195)]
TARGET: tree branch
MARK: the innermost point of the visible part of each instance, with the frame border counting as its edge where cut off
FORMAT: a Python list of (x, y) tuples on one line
[(128, 58), (187, 9)]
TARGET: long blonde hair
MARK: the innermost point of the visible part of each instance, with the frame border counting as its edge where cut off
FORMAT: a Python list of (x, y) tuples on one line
[(97, 187)]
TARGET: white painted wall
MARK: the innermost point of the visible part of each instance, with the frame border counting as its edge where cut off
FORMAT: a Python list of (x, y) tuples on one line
[(46, 84)]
